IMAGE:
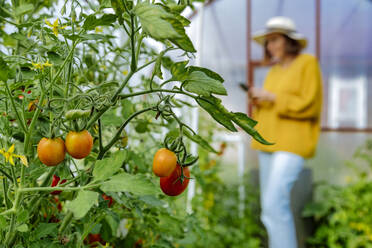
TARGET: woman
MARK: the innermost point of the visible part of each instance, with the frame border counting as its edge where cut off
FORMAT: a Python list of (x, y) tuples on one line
[(287, 109)]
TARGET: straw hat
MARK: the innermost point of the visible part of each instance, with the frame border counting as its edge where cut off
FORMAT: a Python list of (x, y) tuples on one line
[(282, 25)]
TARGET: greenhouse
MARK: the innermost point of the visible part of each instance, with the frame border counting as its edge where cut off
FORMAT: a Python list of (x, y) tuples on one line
[(186, 123)]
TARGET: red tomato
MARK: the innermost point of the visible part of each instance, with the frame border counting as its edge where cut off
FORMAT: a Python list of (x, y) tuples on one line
[(53, 219), (94, 239), (172, 185), (138, 244), (79, 144), (55, 183), (51, 151), (108, 198)]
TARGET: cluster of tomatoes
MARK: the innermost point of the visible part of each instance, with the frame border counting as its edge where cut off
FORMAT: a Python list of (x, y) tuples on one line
[(174, 178), (52, 151)]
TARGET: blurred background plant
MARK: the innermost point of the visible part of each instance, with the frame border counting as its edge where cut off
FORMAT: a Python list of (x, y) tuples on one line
[(343, 212)]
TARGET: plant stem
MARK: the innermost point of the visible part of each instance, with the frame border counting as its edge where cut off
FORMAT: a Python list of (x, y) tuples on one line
[(133, 65), (6, 20), (14, 176), (33, 203), (148, 63), (33, 189), (6, 174), (139, 47), (65, 222), (29, 133), (100, 135), (10, 233), (66, 60), (118, 132), (113, 100), (5, 189), (156, 90), (21, 123)]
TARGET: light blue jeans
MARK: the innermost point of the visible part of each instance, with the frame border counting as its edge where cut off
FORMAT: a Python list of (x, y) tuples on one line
[(278, 172)]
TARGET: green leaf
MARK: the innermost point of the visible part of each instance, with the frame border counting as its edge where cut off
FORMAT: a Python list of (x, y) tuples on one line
[(174, 7), (107, 167), (208, 72), (27, 73), (90, 37), (127, 108), (167, 62), (82, 203), (22, 228), (185, 22), (22, 216), (55, 58), (244, 117), (173, 134), (151, 201), (91, 21), (179, 71), (183, 41), (157, 68), (155, 21), (218, 112), (198, 82), (4, 70), (111, 118), (247, 124), (199, 140), (8, 40), (105, 4), (136, 184), (43, 230), (23, 9), (113, 223)]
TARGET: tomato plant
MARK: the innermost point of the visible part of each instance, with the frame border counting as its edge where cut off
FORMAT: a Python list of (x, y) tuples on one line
[(341, 212), (89, 75)]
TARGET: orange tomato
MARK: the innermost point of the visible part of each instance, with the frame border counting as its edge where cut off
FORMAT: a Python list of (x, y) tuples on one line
[(51, 151), (164, 162), (79, 144)]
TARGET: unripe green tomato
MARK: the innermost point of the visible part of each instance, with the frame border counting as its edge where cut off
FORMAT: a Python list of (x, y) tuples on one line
[(74, 114)]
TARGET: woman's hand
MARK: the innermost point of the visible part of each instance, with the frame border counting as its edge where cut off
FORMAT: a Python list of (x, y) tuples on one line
[(259, 95)]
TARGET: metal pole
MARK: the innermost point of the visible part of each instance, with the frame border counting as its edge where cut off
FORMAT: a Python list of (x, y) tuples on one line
[(317, 26), (249, 52), (195, 111), (241, 163)]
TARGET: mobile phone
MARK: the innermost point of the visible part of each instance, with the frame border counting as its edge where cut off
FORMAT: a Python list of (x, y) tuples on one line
[(244, 86)]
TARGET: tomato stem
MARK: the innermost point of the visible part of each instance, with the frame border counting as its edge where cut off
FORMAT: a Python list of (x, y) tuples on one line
[(124, 96), (11, 97), (66, 220), (100, 134), (118, 132)]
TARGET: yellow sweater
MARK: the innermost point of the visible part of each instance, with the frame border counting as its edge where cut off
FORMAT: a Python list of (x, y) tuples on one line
[(292, 122)]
